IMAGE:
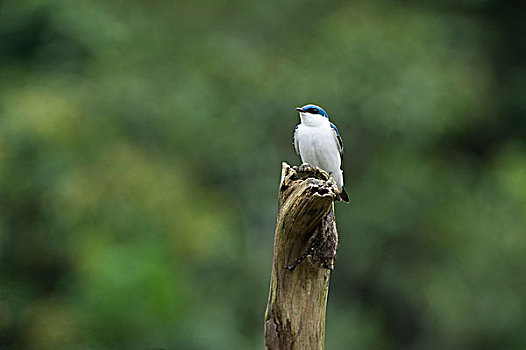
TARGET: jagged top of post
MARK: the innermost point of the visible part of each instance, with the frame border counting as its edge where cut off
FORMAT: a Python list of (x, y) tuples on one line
[(317, 179)]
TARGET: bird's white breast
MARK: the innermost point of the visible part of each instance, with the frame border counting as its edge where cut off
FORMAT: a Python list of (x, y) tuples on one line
[(318, 146)]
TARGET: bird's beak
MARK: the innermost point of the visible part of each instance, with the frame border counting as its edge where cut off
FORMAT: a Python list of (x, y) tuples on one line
[(299, 109)]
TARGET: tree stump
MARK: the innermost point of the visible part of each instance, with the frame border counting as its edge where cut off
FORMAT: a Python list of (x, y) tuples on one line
[(305, 245)]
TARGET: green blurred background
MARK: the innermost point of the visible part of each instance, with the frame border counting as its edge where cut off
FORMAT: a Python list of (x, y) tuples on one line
[(140, 152)]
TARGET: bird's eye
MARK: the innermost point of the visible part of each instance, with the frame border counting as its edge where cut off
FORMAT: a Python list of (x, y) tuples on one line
[(313, 110)]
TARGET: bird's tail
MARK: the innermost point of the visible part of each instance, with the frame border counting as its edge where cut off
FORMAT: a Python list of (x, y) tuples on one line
[(343, 196)]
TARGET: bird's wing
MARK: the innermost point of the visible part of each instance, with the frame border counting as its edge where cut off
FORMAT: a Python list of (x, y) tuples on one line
[(339, 143), (338, 138), (295, 141)]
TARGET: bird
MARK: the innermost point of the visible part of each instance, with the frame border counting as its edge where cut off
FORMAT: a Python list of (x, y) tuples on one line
[(318, 143)]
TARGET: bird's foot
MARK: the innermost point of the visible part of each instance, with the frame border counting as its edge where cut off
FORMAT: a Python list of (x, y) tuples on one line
[(312, 171)]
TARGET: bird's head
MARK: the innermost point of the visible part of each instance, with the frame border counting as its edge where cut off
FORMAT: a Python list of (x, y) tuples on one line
[(311, 114)]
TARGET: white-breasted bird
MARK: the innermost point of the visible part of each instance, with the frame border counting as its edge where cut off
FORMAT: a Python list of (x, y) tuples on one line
[(318, 143)]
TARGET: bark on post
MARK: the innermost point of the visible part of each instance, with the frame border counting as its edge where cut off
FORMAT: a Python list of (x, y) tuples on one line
[(305, 245)]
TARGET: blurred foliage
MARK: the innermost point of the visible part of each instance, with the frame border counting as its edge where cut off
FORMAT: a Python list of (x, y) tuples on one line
[(140, 150)]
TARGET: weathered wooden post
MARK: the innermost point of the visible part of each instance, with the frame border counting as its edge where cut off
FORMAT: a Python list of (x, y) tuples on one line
[(305, 245)]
